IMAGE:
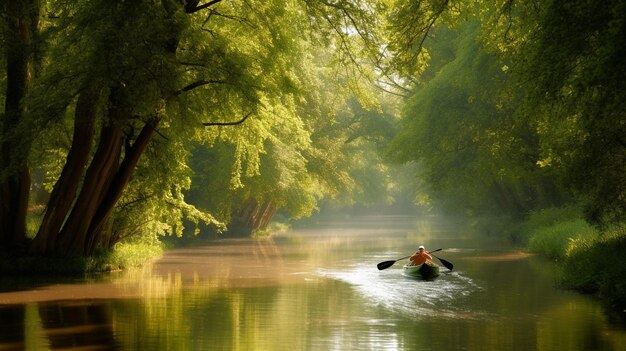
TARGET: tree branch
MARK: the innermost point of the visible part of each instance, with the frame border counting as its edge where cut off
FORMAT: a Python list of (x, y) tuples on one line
[(193, 6), (389, 91), (227, 123), (198, 84)]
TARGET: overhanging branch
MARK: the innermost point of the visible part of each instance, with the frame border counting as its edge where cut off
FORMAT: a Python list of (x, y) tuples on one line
[(227, 123), (198, 84), (193, 6)]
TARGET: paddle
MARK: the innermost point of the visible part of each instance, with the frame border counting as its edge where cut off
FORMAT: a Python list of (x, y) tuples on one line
[(387, 264), (443, 262)]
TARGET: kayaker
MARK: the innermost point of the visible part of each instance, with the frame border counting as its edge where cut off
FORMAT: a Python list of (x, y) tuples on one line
[(420, 257)]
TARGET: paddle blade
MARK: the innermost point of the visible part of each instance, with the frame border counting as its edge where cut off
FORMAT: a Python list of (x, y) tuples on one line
[(385, 265), (448, 265)]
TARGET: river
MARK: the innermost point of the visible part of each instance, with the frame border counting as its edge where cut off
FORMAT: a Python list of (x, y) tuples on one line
[(314, 288)]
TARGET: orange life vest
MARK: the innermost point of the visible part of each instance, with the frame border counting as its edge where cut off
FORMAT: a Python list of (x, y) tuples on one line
[(420, 258)]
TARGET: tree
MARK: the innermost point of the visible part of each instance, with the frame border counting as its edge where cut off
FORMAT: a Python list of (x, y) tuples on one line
[(20, 28), (570, 58), (565, 74), (121, 73), (461, 127), (309, 154)]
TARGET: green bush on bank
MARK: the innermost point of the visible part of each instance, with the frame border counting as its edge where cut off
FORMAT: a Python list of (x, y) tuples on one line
[(591, 260), (552, 241), (273, 228), (536, 224), (127, 255), (596, 265), (548, 231)]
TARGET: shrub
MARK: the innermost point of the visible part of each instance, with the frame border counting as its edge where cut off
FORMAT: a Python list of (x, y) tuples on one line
[(596, 265), (552, 241), (544, 218), (127, 255)]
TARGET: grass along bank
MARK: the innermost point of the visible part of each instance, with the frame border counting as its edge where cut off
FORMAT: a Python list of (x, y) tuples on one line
[(122, 256), (591, 260), (597, 265)]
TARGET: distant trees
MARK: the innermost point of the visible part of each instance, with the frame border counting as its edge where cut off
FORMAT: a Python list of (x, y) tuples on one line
[(301, 164), (461, 127)]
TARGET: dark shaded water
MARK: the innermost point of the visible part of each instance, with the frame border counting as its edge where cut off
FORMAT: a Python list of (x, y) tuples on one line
[(316, 289)]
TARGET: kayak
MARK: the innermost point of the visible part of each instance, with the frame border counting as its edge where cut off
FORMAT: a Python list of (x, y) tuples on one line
[(423, 271)]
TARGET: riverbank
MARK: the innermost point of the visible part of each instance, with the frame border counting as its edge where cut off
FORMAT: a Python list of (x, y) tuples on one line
[(591, 260), (122, 256)]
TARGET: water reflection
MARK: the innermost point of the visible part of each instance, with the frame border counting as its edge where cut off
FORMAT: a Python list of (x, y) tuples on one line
[(83, 325), (77, 325), (315, 290), (12, 327)]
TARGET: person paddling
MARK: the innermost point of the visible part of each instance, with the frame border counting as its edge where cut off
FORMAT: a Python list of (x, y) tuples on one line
[(420, 257)]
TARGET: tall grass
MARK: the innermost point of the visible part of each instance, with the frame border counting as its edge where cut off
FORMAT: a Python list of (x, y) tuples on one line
[(552, 241), (596, 265), (549, 231), (127, 255), (592, 261)]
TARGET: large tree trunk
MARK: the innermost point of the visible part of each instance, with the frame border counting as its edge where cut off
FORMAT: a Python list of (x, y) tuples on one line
[(104, 182), (117, 186), (66, 187), (253, 216), (21, 20), (73, 236), (105, 179)]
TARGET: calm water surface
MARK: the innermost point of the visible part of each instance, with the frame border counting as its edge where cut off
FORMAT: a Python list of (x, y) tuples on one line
[(314, 289)]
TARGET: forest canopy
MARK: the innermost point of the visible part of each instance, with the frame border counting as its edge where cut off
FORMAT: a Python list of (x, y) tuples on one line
[(135, 119)]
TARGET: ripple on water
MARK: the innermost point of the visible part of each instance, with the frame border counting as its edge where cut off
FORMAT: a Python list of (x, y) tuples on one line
[(390, 289)]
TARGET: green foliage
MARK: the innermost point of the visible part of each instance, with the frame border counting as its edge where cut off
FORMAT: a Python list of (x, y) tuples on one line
[(509, 112), (410, 24), (545, 218), (524, 117), (569, 56), (552, 241), (295, 68), (296, 171), (154, 203), (128, 255), (306, 140), (595, 265), (591, 261), (460, 127)]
